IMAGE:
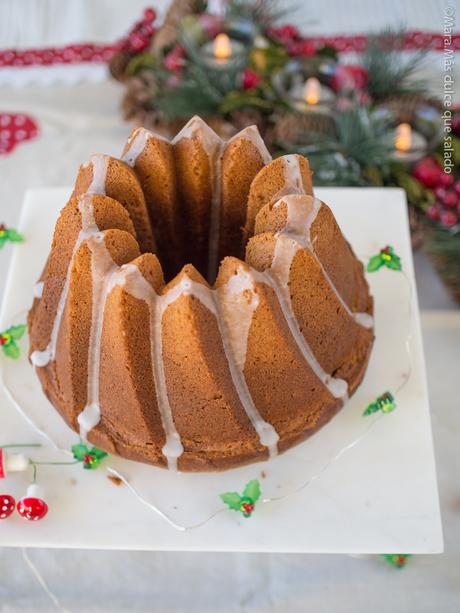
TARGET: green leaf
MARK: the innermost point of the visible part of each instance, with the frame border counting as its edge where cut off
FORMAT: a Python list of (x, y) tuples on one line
[(14, 236), (2, 240), (372, 407), (394, 263), (232, 499), (12, 350), (17, 332), (79, 451), (98, 453), (375, 263), (252, 490)]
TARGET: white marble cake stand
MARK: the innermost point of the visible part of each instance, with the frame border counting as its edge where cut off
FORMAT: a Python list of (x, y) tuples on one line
[(365, 484)]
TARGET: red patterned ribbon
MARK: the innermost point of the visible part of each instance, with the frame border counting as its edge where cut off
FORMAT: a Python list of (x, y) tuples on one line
[(15, 128), (89, 53)]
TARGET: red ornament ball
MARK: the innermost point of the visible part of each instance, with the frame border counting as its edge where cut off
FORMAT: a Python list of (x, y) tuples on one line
[(7, 504), (32, 506), (457, 188)]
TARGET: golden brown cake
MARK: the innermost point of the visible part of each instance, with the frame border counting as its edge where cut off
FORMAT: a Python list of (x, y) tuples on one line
[(152, 350)]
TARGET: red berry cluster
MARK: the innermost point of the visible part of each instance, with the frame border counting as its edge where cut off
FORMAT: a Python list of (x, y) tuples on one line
[(139, 37), (446, 208), (290, 37)]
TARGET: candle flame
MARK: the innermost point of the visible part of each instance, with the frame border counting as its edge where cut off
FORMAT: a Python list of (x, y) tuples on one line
[(312, 90), (222, 47), (403, 138)]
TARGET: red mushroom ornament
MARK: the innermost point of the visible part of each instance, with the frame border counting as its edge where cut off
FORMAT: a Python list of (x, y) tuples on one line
[(7, 504), (32, 506)]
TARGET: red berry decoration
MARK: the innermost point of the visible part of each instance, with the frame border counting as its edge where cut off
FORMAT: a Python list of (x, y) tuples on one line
[(450, 200), (457, 188), (448, 218), (149, 15), (250, 79), (7, 504), (440, 193), (428, 172), (32, 506), (445, 180), (433, 213)]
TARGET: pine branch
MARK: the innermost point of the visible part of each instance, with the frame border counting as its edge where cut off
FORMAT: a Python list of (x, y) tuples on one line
[(355, 155), (388, 73)]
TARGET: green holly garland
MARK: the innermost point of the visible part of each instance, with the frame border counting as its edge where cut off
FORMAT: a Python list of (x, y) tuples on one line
[(385, 403), (9, 234), (91, 458), (9, 338), (244, 503), (386, 257)]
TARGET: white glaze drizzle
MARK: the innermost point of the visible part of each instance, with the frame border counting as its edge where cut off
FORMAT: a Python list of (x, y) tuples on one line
[(42, 358), (38, 289), (236, 303), (134, 283), (293, 174), (99, 163), (252, 134), (298, 225), (214, 147), (137, 143), (234, 340), (285, 250)]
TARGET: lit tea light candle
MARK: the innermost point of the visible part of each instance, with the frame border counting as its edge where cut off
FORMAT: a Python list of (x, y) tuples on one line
[(409, 145), (312, 91), (222, 47), (403, 138), (223, 52), (312, 96)]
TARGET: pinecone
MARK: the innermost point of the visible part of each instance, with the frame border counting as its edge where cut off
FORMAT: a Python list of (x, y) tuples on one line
[(118, 64), (139, 91), (166, 35)]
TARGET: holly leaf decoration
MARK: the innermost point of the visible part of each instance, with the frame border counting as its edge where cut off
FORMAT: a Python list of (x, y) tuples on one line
[(252, 490), (8, 340), (79, 451), (17, 332), (385, 403), (375, 263), (232, 500), (397, 560), (91, 458), (244, 503), (9, 234), (14, 236), (386, 257), (11, 350)]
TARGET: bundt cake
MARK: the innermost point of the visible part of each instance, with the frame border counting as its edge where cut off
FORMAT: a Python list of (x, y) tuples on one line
[(199, 373)]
